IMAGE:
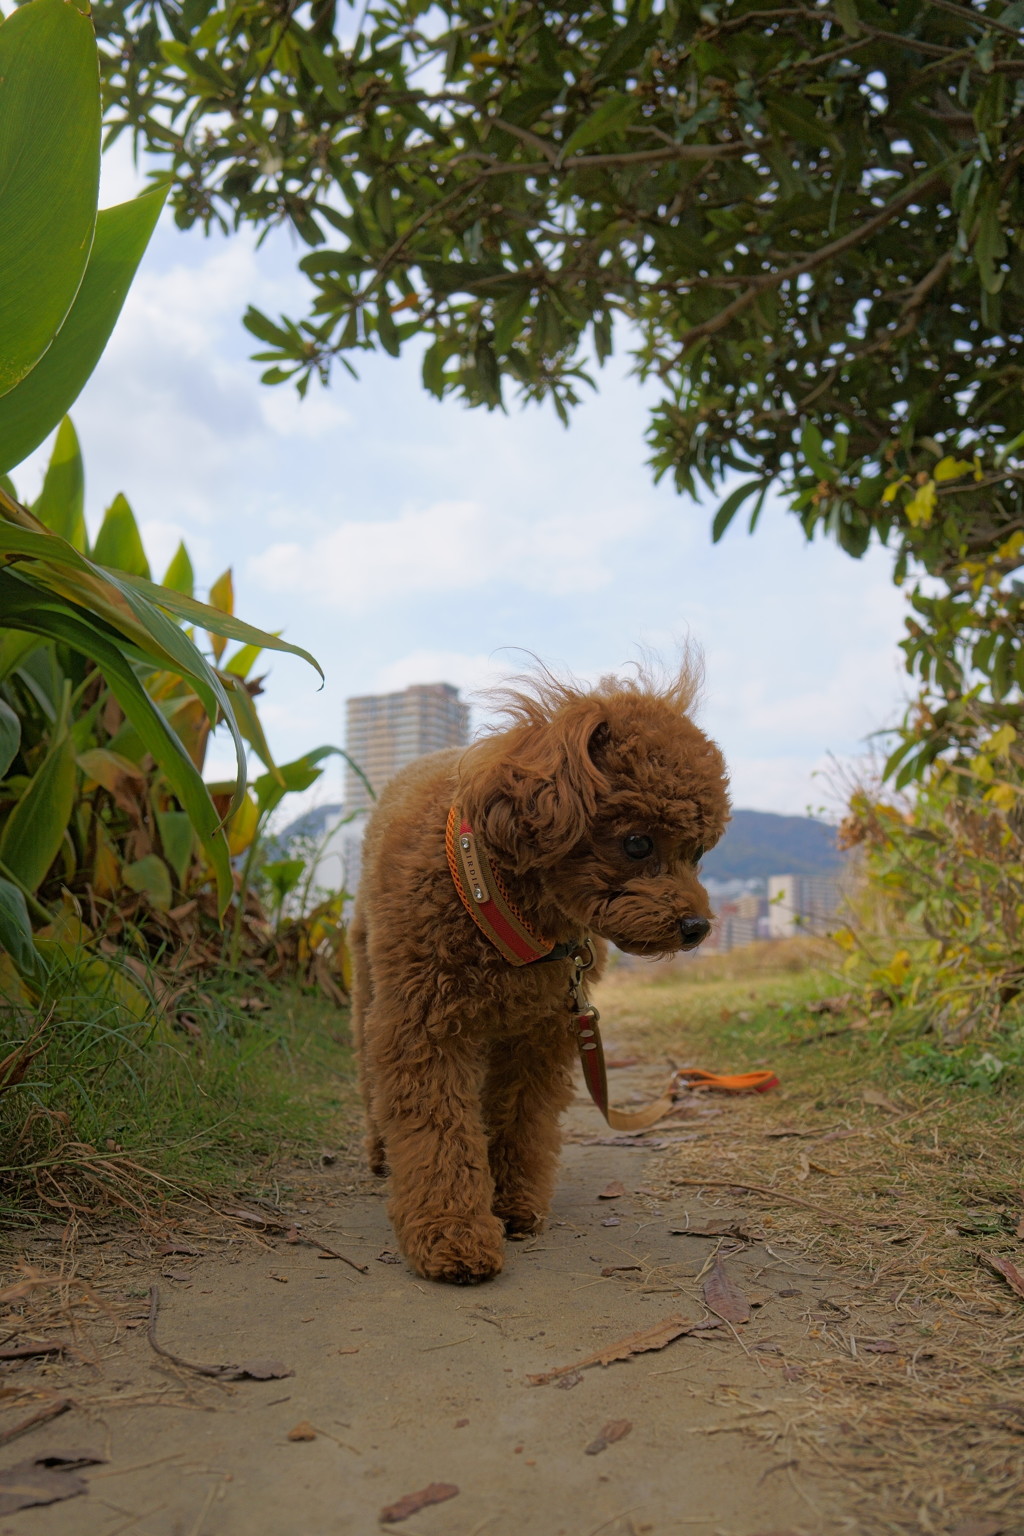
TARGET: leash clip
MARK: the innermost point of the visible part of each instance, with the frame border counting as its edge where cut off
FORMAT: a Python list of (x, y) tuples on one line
[(578, 1004)]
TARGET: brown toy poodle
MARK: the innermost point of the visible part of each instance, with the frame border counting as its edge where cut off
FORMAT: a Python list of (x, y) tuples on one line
[(586, 818)]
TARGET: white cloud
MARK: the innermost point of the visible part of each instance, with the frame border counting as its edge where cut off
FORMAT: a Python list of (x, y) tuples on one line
[(315, 416), (449, 547), (469, 673)]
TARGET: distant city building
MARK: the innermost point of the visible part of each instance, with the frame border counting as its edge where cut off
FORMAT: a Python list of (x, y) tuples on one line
[(738, 920), (802, 904), (386, 731)]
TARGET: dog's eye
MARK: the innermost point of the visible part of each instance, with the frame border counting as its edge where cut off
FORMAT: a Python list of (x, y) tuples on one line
[(698, 854), (637, 846)]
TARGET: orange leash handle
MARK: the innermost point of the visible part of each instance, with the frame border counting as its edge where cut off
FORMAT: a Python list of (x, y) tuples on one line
[(723, 1082)]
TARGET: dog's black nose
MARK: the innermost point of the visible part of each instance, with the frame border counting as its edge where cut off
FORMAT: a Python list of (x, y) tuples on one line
[(693, 930)]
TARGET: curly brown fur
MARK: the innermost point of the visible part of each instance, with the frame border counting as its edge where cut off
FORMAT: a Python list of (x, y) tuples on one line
[(465, 1060)]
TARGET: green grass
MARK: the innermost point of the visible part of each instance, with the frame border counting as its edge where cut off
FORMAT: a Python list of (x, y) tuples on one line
[(200, 1106)]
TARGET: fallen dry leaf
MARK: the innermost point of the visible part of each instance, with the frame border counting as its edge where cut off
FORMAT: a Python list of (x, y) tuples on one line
[(302, 1431), (572, 1380), (616, 1429), (792, 1372), (723, 1297), (1020, 1228), (252, 1370), (614, 1269), (387, 1256), (978, 1527), (830, 1004), (412, 1503), (614, 1063), (880, 1101), (255, 1219), (1009, 1271), (877, 1346), (611, 1221), (166, 1249), (613, 1191), (655, 1337), (44, 1479)]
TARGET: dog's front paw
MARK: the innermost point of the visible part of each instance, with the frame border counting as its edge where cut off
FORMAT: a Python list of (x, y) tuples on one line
[(457, 1251)]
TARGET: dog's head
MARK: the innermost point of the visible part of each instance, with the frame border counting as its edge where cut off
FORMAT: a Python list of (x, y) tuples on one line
[(604, 802)]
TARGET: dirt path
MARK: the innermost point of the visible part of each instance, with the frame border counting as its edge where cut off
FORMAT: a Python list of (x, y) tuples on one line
[(407, 1384)]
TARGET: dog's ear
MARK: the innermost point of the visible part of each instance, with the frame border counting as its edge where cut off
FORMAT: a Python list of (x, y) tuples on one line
[(531, 793)]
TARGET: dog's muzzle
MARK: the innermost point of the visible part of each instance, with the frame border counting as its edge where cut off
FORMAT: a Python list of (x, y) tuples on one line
[(693, 930)]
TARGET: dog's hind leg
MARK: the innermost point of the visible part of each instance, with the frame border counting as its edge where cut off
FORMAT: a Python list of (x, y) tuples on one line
[(528, 1085), (362, 999)]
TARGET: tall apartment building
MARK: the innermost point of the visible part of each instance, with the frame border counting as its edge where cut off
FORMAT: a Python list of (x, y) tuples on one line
[(802, 904), (386, 731)]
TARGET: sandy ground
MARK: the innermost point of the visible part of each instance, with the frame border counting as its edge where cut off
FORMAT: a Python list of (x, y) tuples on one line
[(405, 1383)]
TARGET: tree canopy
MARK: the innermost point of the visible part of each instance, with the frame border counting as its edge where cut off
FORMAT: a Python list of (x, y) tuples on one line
[(810, 215)]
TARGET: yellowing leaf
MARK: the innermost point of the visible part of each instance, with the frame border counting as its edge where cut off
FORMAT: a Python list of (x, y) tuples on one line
[(222, 596), (921, 505), (1012, 548), (106, 869), (897, 969), (1000, 741), (1004, 796), (892, 491), (242, 827), (952, 469)]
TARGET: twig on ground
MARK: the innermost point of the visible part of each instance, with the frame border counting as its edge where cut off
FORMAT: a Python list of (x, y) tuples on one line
[(758, 1189), (251, 1370), (41, 1416)]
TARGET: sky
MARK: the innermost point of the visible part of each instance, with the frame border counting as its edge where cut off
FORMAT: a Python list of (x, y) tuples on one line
[(404, 540)]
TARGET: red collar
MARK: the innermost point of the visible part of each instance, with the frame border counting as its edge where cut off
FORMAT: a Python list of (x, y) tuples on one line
[(488, 903)]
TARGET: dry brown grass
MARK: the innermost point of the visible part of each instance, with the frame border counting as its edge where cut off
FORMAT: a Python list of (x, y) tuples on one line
[(911, 1186)]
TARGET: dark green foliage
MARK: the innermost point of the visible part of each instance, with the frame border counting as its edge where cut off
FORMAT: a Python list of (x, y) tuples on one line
[(811, 216)]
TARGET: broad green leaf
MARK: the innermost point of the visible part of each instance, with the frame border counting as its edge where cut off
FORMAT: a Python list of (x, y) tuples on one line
[(25, 607), (150, 877), (60, 505), (16, 933), (612, 115), (34, 830), (179, 576), (284, 875), (730, 506), (292, 778), (49, 174), (114, 597), (195, 612), (119, 543), (177, 840), (813, 449), (10, 736), (31, 410)]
